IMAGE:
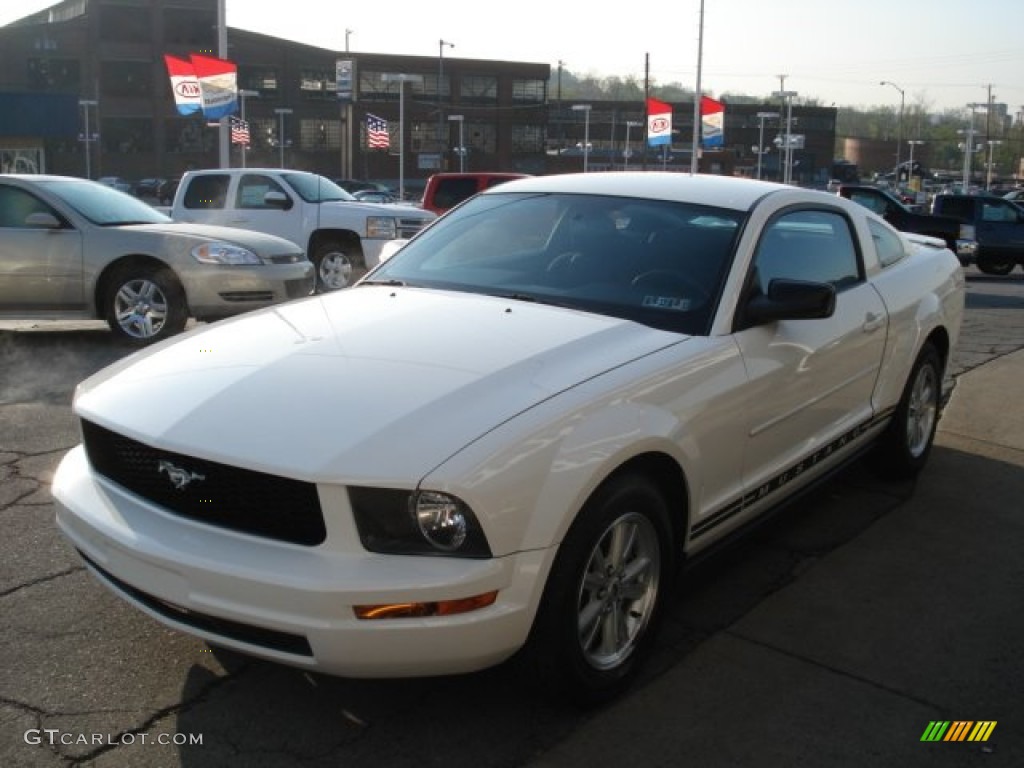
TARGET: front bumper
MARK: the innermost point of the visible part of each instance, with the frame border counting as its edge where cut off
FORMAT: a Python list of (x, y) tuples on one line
[(215, 291), (291, 603), (967, 252)]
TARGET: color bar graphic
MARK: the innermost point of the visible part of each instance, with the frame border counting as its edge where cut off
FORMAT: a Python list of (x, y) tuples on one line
[(958, 730)]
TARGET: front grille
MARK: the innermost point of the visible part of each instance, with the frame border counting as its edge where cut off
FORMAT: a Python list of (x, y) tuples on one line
[(409, 227), (218, 494), (260, 296), (236, 630)]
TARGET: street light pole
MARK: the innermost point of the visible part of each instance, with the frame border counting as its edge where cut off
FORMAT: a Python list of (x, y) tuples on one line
[(461, 150), (441, 45), (402, 79), (762, 116), (87, 136), (242, 94), (281, 112), (992, 143), (899, 130), (787, 147), (628, 152), (585, 109)]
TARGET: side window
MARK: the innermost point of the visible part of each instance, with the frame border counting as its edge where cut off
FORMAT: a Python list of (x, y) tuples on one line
[(207, 192), (870, 202), (814, 246), (252, 190), (16, 205), (996, 210), (888, 244)]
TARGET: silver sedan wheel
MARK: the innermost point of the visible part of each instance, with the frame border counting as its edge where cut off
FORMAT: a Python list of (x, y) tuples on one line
[(140, 308), (618, 592), (922, 410)]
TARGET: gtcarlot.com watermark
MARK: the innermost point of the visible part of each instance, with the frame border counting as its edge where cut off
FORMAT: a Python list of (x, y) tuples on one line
[(55, 737)]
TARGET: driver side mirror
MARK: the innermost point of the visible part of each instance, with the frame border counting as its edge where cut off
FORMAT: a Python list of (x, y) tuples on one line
[(790, 300), (279, 200)]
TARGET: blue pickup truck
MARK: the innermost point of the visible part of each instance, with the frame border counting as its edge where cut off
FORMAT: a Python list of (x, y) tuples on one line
[(998, 228)]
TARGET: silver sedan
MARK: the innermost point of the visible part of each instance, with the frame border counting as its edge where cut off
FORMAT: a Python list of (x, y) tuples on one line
[(75, 249)]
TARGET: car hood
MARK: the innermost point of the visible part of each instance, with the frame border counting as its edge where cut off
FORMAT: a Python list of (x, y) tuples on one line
[(255, 241), (366, 385), (345, 208)]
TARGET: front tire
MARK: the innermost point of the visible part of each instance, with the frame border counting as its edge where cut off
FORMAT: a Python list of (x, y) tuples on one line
[(145, 304), (337, 266), (603, 597), (906, 443)]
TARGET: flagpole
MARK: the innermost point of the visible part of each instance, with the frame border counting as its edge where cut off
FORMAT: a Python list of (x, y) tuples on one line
[(696, 96), (222, 48)]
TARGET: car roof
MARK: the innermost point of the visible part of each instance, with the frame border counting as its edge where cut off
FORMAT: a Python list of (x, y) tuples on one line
[(721, 191)]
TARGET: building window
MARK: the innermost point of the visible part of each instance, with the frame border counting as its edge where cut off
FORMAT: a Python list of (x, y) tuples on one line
[(126, 135), (62, 75), (126, 79), (195, 29), (319, 135), (529, 91), (528, 138), (257, 79), (378, 86), (479, 90), (318, 84), (482, 138), (125, 24)]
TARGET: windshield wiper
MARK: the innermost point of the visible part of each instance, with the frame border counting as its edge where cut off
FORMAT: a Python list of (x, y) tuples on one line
[(392, 282)]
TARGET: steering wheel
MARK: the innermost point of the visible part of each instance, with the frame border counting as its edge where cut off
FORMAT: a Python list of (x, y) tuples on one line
[(668, 281)]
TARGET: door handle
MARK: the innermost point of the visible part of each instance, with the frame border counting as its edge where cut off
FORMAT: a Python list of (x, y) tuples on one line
[(872, 322)]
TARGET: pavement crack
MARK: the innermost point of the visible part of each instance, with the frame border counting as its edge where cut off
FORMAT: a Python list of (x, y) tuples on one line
[(42, 580), (121, 738), (875, 684)]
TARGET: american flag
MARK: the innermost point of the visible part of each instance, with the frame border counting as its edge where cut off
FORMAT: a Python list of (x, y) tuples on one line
[(377, 132), (239, 131)]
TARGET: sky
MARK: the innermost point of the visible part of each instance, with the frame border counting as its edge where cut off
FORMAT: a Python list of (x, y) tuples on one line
[(943, 54)]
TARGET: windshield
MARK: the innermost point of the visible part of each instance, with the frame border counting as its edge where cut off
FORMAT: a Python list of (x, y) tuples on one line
[(655, 262), (316, 189), (104, 205)]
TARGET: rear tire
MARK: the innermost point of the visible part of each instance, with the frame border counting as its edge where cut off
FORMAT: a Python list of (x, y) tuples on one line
[(144, 304), (906, 443), (996, 265), (604, 595)]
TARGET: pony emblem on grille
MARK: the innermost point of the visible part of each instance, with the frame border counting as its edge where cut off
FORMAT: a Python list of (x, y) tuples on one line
[(180, 478)]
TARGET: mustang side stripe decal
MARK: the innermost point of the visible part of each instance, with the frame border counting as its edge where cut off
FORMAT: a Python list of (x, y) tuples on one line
[(777, 482)]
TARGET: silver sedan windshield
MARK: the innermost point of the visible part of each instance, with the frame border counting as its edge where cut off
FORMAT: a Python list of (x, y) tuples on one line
[(103, 205)]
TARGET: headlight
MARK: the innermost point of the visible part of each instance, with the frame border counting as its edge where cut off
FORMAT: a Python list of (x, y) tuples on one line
[(416, 523), (224, 253), (381, 228)]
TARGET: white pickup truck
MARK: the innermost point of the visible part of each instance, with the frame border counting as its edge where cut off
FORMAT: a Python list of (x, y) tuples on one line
[(342, 236)]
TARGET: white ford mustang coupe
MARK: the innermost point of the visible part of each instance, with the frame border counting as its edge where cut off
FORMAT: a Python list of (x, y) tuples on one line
[(512, 433)]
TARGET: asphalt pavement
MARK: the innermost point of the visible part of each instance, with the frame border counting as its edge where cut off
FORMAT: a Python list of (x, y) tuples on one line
[(917, 622)]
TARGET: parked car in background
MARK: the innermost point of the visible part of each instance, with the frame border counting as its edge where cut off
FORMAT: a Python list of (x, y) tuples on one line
[(1016, 196), (342, 235), (115, 182), (148, 189), (554, 396), (375, 196), (73, 248), (959, 236), (166, 190), (446, 190), (998, 224)]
